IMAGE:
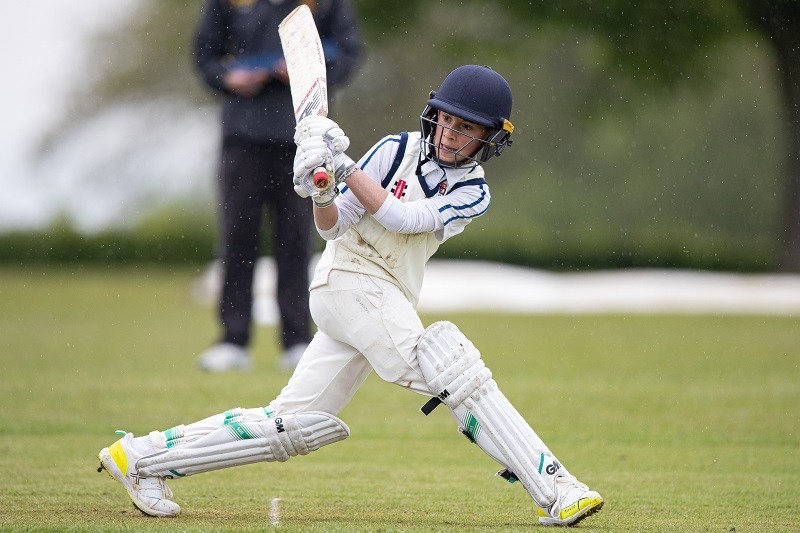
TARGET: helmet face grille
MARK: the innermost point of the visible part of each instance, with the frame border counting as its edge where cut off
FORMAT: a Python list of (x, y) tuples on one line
[(492, 144)]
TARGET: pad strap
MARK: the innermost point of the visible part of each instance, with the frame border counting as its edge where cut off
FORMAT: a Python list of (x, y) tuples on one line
[(430, 405)]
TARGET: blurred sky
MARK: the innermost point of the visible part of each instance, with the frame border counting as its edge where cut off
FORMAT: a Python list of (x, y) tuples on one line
[(50, 56), (105, 166)]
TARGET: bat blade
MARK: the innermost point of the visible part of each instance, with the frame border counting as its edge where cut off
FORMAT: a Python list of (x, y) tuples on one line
[(305, 63)]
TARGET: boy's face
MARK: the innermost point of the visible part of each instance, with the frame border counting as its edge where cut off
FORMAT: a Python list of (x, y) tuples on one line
[(456, 139)]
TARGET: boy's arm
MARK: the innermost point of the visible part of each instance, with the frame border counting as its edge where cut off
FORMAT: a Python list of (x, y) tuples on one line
[(368, 192)]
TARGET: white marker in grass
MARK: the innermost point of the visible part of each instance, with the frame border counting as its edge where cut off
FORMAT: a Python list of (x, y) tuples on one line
[(275, 512)]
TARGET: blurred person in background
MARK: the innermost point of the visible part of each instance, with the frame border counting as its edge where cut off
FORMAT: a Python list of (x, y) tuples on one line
[(238, 54)]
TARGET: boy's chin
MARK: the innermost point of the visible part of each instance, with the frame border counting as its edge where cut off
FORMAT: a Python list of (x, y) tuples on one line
[(448, 158)]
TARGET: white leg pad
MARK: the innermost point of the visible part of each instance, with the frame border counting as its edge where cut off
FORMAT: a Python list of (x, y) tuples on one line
[(455, 372), (244, 442)]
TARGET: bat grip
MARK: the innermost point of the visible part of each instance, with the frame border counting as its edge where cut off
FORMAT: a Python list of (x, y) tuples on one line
[(321, 178)]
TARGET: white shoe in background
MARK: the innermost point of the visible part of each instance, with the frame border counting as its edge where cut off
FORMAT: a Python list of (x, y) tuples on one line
[(224, 357)]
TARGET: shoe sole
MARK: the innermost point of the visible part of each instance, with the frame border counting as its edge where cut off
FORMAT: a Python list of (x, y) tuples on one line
[(585, 513), (107, 463)]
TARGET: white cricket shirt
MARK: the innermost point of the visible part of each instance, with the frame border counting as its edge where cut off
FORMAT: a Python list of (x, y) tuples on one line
[(422, 212)]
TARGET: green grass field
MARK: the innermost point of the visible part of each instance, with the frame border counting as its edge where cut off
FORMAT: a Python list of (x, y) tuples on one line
[(683, 423)]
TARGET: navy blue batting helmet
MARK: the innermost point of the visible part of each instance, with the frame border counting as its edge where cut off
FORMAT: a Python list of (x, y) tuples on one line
[(476, 94)]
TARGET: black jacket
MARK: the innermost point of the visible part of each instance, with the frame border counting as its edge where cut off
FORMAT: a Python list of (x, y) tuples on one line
[(246, 31)]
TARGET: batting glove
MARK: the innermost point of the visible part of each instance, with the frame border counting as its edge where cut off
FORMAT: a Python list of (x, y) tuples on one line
[(304, 187), (343, 166), (326, 197), (319, 126), (311, 154)]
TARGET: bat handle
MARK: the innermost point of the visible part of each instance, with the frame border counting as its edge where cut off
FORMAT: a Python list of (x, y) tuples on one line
[(321, 178)]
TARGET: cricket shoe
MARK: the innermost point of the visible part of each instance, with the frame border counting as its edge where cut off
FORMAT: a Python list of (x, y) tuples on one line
[(574, 502), (150, 495), (224, 357)]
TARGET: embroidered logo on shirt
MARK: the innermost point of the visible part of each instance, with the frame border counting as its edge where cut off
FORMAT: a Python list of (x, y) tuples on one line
[(399, 188), (442, 187)]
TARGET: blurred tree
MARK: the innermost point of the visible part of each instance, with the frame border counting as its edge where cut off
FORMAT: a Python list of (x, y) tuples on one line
[(779, 20), (659, 45)]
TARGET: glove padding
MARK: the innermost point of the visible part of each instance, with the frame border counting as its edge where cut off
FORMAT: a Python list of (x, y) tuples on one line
[(304, 187), (343, 166), (319, 126), (311, 154)]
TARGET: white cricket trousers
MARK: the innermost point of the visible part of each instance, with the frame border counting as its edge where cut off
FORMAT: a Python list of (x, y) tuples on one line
[(364, 323)]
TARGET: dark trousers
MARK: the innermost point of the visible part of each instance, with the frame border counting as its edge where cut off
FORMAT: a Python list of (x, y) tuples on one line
[(255, 178)]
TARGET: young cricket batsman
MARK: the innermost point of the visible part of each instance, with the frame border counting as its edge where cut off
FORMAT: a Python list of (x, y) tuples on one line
[(382, 218)]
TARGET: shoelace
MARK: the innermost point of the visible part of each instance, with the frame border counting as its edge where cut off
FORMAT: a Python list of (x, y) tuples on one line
[(153, 487), (570, 482)]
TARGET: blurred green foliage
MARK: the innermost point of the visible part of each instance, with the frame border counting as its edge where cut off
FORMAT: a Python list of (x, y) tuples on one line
[(171, 240)]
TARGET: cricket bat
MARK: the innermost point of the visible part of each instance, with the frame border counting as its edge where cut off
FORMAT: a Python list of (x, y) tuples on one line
[(305, 64)]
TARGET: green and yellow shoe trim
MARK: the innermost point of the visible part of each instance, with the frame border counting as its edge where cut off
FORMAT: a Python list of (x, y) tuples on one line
[(583, 507)]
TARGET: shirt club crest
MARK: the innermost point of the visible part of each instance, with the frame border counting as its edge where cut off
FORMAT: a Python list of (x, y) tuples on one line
[(399, 188)]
